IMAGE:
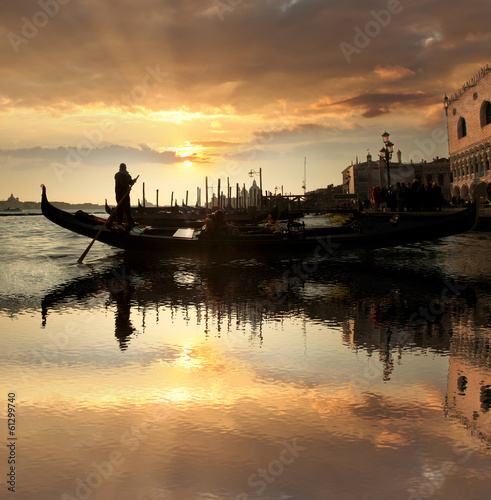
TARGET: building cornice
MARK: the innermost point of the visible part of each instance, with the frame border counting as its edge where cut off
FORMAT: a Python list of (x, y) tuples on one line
[(468, 85), (475, 145)]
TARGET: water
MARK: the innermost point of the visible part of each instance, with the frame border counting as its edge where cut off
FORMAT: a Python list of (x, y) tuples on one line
[(365, 375)]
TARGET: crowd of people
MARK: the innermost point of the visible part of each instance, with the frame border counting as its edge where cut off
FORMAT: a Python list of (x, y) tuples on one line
[(410, 197)]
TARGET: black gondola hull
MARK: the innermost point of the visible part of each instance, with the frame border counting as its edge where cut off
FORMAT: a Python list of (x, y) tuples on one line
[(364, 233)]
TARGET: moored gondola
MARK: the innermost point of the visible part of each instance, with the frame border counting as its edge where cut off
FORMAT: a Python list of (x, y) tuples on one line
[(175, 217), (361, 233)]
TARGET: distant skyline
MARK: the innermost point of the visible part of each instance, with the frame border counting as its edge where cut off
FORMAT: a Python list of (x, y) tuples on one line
[(183, 89)]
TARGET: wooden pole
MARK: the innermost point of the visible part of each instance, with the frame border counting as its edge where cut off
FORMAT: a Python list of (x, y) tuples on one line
[(219, 194), (206, 195), (186, 198), (82, 257), (144, 202), (260, 187), (157, 198), (228, 193), (172, 199)]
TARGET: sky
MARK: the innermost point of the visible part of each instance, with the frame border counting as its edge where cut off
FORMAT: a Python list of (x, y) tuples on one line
[(181, 90)]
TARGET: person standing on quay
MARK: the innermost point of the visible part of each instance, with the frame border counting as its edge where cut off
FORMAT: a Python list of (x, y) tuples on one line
[(123, 185)]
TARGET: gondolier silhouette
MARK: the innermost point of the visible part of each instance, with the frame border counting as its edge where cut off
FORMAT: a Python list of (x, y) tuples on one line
[(123, 182)]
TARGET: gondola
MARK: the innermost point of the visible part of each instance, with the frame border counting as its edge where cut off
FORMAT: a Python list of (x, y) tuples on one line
[(361, 233), (160, 216), (175, 217)]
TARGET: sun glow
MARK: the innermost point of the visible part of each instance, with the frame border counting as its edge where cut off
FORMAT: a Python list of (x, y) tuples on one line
[(189, 153), (187, 150)]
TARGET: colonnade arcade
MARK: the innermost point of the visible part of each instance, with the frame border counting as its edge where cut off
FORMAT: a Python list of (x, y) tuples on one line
[(470, 165)]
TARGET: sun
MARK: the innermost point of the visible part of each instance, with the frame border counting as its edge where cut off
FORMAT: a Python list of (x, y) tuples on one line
[(188, 151)]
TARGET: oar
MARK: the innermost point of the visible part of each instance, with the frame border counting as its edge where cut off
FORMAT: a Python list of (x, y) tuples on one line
[(82, 257)]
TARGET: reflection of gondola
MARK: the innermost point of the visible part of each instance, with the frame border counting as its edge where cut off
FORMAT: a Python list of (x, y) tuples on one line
[(363, 233), (120, 291), (243, 293)]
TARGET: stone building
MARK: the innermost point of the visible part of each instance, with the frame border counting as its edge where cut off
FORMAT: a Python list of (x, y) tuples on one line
[(360, 177), (255, 195), (246, 197), (11, 202), (469, 134)]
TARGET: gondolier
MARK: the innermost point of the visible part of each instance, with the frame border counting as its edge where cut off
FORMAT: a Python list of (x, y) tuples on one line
[(123, 185)]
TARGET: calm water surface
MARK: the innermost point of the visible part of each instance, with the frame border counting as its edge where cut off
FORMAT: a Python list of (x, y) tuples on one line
[(365, 375)]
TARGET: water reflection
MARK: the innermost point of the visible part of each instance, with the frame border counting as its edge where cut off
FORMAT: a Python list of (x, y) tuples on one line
[(211, 367), (386, 310), (469, 381), (122, 295)]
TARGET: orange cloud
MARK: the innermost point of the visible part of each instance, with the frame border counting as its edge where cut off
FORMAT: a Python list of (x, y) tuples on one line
[(393, 72)]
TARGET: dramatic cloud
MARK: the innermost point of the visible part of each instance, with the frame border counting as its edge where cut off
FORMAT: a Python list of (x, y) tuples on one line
[(178, 73), (159, 53), (105, 156), (302, 132), (392, 72), (378, 104)]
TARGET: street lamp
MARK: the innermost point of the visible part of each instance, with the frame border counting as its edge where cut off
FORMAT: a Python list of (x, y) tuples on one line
[(252, 173), (386, 154)]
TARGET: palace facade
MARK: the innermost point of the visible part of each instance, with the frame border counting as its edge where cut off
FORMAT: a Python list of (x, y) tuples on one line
[(469, 134)]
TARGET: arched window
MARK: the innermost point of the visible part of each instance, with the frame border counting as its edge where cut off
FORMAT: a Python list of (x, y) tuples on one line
[(461, 128), (462, 384), (485, 113), (485, 398)]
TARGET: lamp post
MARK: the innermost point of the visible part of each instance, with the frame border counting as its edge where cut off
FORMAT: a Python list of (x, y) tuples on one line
[(386, 154), (252, 173)]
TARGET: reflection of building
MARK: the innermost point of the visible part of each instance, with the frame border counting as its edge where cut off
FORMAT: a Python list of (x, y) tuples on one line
[(469, 381), (361, 177), (469, 133)]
